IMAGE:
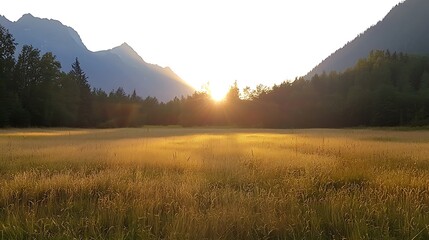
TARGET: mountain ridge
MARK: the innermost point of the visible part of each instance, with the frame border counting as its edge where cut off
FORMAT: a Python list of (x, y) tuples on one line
[(120, 66), (405, 28)]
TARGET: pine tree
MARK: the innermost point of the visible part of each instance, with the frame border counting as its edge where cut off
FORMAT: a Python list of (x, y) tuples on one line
[(84, 102), (7, 62), (79, 75), (7, 51), (27, 78)]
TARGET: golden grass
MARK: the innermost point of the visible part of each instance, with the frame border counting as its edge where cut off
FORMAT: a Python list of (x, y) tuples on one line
[(175, 183)]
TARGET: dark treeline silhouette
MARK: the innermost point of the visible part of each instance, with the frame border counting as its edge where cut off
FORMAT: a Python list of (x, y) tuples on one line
[(383, 90), (386, 89)]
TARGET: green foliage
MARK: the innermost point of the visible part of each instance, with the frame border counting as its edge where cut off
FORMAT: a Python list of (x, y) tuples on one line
[(383, 90), (7, 62), (78, 76)]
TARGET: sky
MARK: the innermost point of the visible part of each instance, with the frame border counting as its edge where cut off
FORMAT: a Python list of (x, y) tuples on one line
[(218, 41)]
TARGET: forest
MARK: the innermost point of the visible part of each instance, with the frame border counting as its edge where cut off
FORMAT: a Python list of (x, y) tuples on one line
[(385, 89)]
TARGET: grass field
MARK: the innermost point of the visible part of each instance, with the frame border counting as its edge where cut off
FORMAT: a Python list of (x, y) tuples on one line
[(173, 183)]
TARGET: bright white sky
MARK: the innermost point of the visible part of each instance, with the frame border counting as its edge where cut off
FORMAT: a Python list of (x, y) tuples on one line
[(217, 41)]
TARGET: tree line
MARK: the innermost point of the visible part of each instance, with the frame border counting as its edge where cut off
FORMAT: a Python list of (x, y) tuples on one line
[(385, 89)]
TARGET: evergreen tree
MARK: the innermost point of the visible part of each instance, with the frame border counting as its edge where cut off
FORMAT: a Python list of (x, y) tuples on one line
[(27, 77), (7, 62), (48, 89), (27, 72), (84, 93), (7, 51)]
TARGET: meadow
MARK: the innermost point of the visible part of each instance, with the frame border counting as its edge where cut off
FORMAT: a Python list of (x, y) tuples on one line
[(178, 183)]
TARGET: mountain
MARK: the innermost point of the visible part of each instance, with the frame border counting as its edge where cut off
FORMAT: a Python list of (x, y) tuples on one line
[(404, 29), (109, 69)]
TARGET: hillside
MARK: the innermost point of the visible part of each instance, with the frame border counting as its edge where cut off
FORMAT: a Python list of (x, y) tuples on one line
[(404, 29), (117, 67)]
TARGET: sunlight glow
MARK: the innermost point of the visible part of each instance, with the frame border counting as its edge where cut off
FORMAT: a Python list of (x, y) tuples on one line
[(42, 133), (218, 92)]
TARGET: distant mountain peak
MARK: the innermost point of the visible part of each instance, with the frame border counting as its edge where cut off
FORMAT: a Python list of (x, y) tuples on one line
[(4, 19), (29, 19), (125, 45), (127, 53), (26, 16)]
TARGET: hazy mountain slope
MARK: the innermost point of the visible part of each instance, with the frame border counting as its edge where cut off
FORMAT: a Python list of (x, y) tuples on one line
[(404, 29), (108, 70)]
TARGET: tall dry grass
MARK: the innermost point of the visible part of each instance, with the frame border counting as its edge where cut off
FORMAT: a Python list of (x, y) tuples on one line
[(166, 183)]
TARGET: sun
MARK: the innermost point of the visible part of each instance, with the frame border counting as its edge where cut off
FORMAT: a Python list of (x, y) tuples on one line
[(218, 96), (218, 92)]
